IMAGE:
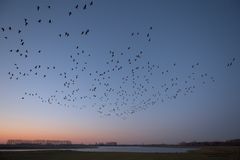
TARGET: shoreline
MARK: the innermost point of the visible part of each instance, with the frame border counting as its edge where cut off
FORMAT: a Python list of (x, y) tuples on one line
[(206, 153), (35, 146)]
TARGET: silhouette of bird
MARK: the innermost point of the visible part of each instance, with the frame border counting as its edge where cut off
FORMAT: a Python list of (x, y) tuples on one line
[(86, 31)]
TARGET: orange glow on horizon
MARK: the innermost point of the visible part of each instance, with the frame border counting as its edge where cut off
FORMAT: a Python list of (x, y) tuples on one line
[(86, 137)]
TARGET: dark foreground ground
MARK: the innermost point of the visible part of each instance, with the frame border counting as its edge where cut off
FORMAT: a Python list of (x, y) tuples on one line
[(206, 153)]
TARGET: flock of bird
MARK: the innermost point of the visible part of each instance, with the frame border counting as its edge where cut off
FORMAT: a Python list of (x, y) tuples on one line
[(125, 85)]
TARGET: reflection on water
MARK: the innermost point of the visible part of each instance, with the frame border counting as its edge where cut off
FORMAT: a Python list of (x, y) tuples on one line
[(139, 149)]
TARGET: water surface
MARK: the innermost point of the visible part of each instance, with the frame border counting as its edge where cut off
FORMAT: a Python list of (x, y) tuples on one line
[(132, 149)]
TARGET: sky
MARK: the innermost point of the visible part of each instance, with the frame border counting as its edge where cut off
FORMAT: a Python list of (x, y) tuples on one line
[(139, 71)]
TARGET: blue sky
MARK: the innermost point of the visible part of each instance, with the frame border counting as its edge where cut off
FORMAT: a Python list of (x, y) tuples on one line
[(187, 91)]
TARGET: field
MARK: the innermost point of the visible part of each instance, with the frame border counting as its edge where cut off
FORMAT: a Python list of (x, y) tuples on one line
[(206, 153)]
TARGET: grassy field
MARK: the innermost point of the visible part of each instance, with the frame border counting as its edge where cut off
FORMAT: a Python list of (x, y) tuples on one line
[(206, 153)]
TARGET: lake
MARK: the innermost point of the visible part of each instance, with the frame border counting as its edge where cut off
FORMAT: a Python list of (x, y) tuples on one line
[(132, 149), (140, 149)]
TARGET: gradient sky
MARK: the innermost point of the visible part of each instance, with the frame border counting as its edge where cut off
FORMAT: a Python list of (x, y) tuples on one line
[(184, 32)]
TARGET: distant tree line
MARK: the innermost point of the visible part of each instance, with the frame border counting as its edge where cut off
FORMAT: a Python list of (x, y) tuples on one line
[(234, 142)]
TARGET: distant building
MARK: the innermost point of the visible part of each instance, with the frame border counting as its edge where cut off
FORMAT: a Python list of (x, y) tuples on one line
[(107, 144), (111, 143), (40, 142)]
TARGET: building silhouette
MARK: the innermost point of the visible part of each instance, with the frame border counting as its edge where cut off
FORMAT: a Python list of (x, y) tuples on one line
[(39, 142)]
